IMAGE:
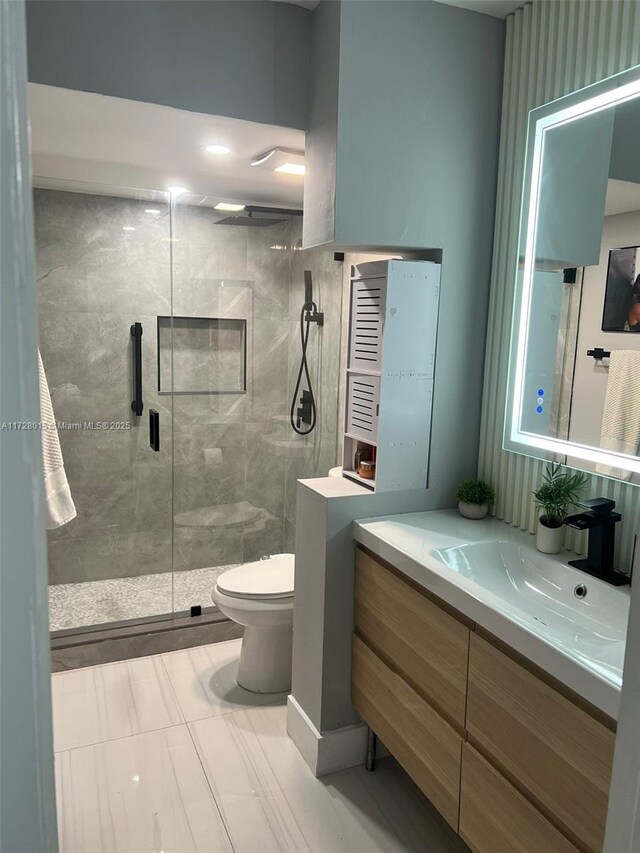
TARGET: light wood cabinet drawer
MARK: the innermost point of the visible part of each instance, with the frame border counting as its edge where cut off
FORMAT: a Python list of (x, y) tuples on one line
[(496, 818), (424, 744), (422, 642), (558, 752)]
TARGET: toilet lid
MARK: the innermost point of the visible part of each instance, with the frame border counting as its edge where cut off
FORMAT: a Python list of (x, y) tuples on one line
[(272, 578)]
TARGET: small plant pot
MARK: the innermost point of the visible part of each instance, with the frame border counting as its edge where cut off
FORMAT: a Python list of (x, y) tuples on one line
[(549, 540), (474, 511)]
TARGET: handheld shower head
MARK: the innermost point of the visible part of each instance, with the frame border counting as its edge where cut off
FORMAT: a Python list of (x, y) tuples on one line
[(308, 289), (306, 412)]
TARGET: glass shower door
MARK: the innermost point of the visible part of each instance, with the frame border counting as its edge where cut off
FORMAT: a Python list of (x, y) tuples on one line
[(104, 278), (238, 287), (213, 354)]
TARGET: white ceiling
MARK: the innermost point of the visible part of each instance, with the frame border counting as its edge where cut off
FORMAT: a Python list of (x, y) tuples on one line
[(496, 8), (622, 197), (112, 142)]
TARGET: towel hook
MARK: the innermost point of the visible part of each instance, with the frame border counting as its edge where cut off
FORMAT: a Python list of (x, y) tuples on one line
[(598, 353)]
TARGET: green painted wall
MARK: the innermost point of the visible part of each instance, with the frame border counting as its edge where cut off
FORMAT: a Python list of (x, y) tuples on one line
[(553, 47), (246, 60), (27, 805)]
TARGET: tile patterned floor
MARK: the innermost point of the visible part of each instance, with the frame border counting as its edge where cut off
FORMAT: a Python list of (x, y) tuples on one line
[(168, 754), (76, 605)]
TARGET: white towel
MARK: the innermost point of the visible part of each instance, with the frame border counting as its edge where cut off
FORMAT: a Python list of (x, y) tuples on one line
[(621, 417), (59, 503)]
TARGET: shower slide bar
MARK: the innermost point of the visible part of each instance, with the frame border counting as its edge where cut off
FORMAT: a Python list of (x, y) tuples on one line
[(136, 404)]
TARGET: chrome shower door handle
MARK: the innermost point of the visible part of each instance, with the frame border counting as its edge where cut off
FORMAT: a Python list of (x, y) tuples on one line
[(154, 429)]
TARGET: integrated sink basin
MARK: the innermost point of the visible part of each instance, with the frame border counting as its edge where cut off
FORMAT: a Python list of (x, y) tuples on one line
[(556, 600), (569, 623)]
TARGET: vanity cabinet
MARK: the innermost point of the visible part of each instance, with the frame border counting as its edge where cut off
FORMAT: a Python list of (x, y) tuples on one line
[(422, 642), (560, 754), (494, 816), (428, 748), (506, 755)]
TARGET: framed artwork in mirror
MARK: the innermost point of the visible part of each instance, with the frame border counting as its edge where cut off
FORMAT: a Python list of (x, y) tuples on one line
[(622, 291)]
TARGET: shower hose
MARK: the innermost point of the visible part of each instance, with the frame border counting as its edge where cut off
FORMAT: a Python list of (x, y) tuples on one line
[(308, 309)]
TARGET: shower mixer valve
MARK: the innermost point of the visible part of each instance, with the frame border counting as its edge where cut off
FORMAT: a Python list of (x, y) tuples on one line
[(304, 413)]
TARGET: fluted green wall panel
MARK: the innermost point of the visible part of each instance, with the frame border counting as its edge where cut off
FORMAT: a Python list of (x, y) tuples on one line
[(553, 47)]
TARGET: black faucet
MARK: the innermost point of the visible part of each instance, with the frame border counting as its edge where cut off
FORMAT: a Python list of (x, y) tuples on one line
[(600, 521)]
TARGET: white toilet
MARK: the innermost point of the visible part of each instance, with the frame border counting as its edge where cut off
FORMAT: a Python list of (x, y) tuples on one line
[(260, 596)]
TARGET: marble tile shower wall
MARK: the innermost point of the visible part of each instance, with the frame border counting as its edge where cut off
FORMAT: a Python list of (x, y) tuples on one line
[(235, 459), (255, 457), (228, 481)]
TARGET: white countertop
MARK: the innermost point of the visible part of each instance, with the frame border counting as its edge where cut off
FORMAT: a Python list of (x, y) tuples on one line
[(492, 573)]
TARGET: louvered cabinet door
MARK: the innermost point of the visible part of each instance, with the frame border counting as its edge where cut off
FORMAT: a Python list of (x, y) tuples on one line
[(367, 319), (363, 398)]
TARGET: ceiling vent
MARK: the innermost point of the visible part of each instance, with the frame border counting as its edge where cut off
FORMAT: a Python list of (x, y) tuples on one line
[(284, 160)]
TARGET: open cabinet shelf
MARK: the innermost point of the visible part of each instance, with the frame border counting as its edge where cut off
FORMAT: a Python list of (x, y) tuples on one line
[(351, 475)]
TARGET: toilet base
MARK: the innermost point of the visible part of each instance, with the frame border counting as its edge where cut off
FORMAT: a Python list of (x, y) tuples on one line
[(265, 659)]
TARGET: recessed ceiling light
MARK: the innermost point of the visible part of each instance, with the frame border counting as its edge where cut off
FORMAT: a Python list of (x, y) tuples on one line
[(153, 211), (291, 168), (128, 228), (174, 191), (224, 205), (217, 149)]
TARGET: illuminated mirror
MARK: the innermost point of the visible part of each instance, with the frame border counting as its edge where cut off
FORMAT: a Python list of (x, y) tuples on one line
[(574, 375)]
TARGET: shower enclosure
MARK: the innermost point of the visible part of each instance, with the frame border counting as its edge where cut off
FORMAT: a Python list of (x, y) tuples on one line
[(191, 467)]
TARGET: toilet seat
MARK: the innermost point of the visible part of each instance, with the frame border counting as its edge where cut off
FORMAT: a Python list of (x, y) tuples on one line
[(264, 579)]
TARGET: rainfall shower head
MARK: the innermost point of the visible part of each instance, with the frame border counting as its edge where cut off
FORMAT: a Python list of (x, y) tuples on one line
[(259, 216), (248, 220)]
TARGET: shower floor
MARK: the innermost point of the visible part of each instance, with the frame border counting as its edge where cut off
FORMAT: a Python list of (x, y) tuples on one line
[(78, 605)]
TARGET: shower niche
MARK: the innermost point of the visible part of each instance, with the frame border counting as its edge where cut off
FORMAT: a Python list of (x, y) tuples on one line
[(392, 346), (202, 355)]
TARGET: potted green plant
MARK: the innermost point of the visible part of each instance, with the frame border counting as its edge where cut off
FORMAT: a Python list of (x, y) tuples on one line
[(559, 490), (474, 498)]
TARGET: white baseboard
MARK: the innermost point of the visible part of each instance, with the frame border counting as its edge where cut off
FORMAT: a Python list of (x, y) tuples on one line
[(325, 752)]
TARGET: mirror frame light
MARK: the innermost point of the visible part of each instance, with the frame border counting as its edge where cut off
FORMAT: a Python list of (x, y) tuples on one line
[(593, 99)]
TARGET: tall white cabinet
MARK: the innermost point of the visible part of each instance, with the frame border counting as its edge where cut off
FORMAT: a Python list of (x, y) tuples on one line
[(393, 323)]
